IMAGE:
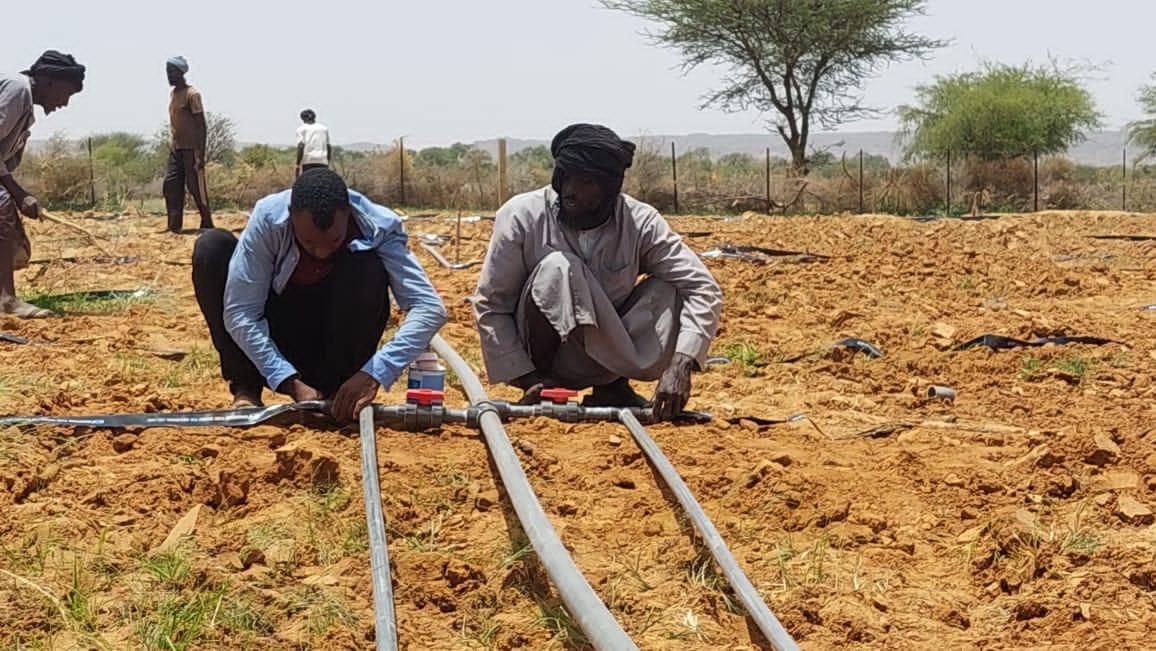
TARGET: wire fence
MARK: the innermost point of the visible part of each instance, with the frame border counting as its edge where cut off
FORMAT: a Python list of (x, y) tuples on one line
[(87, 175)]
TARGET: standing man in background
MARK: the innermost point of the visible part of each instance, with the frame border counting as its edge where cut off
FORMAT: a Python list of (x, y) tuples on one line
[(190, 133), (49, 83), (313, 148)]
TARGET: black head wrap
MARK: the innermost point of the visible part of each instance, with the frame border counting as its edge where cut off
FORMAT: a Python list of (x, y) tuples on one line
[(593, 149), (57, 65)]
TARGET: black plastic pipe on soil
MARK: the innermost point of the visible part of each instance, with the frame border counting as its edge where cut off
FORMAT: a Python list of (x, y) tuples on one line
[(384, 618), (582, 603), (756, 608)]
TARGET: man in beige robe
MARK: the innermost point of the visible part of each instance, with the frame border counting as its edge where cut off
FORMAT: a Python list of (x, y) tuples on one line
[(560, 302)]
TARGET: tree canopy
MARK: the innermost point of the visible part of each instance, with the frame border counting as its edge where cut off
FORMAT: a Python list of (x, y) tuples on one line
[(1000, 111), (801, 62), (1143, 132)]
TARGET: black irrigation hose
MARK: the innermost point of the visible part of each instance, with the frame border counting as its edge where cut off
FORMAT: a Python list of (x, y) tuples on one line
[(854, 343), (756, 608), (384, 617), (242, 417), (1000, 342), (583, 604)]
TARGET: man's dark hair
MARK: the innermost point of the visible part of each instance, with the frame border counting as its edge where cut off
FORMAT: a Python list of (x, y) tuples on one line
[(322, 192), (308, 115)]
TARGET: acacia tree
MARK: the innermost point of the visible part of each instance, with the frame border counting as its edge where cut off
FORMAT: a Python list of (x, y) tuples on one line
[(1000, 111), (1143, 132), (802, 62)]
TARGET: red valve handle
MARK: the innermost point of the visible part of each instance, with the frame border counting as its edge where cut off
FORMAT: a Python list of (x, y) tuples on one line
[(558, 396), (425, 397)]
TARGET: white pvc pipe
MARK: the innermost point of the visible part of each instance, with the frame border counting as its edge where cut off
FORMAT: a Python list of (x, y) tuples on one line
[(384, 619), (582, 603), (746, 591)]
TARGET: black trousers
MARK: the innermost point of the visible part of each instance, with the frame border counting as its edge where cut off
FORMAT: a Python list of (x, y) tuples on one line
[(328, 330), (313, 166), (182, 173)]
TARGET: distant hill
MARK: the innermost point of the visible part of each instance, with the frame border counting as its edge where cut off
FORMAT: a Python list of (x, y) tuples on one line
[(1099, 149)]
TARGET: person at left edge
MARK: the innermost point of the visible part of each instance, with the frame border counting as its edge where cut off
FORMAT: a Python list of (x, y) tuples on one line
[(300, 302)]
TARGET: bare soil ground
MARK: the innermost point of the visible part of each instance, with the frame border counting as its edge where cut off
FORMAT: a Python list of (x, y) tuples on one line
[(1017, 517)]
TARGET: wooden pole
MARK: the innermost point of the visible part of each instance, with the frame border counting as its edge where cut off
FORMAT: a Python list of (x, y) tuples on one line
[(458, 254), (948, 182), (1036, 179), (1124, 183), (674, 173), (860, 181), (91, 174), (503, 181), (401, 160), (770, 202), (47, 216)]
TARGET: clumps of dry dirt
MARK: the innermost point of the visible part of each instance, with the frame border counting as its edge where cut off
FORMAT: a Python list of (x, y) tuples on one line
[(1019, 515)]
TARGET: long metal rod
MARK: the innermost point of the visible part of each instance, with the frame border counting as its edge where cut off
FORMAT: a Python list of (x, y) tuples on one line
[(582, 603), (384, 619), (748, 595)]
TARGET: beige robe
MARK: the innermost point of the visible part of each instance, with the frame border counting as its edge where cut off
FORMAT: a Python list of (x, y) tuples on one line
[(586, 285)]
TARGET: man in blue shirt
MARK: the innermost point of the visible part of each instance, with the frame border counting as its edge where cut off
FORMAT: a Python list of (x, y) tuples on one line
[(300, 302)]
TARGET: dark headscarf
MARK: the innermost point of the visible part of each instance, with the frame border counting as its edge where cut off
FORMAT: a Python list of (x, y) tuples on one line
[(57, 65), (593, 149)]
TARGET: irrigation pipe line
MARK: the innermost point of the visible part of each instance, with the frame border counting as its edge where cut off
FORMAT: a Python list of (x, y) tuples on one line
[(384, 619), (748, 595), (240, 417), (441, 259), (582, 603)]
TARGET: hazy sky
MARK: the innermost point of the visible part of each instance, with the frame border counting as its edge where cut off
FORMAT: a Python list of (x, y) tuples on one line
[(437, 71)]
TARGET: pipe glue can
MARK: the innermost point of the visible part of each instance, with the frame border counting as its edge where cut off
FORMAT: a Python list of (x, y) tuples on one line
[(426, 372)]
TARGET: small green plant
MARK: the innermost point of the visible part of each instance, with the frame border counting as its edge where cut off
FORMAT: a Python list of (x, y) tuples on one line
[(170, 569), (426, 540), (967, 282), (180, 621), (1030, 368), (1080, 541), (558, 621), (78, 601), (749, 357), (516, 555), (1075, 367)]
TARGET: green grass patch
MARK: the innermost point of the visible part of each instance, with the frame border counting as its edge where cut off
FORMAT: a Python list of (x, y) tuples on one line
[(748, 356), (1030, 368), (1076, 367), (91, 302)]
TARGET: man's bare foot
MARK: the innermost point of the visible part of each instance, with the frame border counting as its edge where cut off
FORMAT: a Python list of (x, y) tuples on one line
[(616, 394), (243, 400), (12, 306)]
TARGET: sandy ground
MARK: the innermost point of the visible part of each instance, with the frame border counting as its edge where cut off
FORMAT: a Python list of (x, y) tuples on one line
[(1016, 517)]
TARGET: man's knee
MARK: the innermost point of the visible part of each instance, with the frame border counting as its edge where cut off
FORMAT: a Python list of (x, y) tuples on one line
[(213, 249), (559, 260)]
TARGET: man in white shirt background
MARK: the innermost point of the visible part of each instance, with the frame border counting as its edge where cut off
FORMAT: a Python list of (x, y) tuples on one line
[(313, 148)]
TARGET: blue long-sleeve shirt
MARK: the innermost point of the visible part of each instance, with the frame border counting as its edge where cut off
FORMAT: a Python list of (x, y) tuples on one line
[(265, 259)]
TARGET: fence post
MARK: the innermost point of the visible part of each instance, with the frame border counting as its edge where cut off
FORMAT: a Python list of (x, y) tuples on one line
[(401, 159), (1124, 181), (91, 175), (770, 202), (674, 173), (948, 182), (860, 181), (1036, 178), (503, 181)]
